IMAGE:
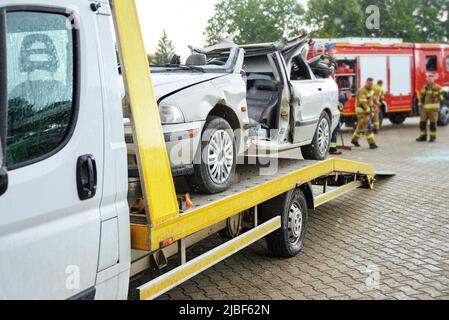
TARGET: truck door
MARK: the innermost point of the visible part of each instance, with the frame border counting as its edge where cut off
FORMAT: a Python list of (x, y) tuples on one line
[(307, 98), (49, 214)]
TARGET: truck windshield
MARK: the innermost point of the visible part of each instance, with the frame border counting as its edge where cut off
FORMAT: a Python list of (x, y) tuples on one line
[(215, 62)]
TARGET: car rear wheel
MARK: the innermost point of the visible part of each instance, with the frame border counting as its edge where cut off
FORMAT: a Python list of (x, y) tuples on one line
[(321, 142), (444, 114), (216, 170)]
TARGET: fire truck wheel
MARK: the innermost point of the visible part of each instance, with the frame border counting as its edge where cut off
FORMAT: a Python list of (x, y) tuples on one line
[(397, 118), (288, 241), (319, 148), (444, 114), (216, 170)]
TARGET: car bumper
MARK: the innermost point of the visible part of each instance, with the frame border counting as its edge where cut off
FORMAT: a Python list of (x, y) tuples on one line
[(182, 142)]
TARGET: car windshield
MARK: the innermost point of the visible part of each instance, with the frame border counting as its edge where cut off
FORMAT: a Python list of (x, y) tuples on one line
[(216, 62)]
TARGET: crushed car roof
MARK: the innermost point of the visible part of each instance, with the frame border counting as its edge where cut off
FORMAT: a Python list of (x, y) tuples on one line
[(285, 45)]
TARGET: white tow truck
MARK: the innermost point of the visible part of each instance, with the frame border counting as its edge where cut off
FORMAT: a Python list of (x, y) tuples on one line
[(74, 224)]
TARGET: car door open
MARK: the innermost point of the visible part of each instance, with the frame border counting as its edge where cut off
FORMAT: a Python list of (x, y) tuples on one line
[(307, 92)]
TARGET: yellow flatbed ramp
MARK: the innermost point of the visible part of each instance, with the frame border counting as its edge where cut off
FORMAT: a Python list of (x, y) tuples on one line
[(253, 186)]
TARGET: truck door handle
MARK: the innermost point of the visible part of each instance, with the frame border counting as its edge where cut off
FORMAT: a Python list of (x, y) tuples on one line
[(86, 176), (320, 89), (3, 181)]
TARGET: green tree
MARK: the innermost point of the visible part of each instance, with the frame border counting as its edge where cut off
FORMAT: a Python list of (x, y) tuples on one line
[(432, 20), (165, 50), (336, 18), (411, 20), (254, 21), (151, 59)]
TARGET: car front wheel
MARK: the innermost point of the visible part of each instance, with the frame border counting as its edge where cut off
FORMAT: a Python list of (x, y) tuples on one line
[(321, 142), (216, 170)]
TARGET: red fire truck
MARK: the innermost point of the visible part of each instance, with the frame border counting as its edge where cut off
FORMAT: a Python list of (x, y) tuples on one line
[(401, 66)]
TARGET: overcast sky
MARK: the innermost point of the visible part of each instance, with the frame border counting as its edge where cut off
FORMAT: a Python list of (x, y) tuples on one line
[(183, 20)]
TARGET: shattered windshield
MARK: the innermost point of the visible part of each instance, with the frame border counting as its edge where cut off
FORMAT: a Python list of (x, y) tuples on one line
[(214, 61)]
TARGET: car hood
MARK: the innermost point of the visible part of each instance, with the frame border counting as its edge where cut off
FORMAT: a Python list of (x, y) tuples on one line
[(167, 83)]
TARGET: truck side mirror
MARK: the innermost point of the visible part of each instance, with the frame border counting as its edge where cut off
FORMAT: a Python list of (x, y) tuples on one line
[(3, 180), (3, 172)]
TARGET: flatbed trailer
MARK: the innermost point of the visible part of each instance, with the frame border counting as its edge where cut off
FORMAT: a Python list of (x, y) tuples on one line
[(321, 182), (165, 230)]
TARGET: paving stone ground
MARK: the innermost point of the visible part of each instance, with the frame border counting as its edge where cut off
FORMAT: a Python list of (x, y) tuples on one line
[(390, 243)]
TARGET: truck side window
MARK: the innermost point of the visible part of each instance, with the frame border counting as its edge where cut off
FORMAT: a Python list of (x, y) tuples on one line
[(431, 63), (447, 63), (40, 73)]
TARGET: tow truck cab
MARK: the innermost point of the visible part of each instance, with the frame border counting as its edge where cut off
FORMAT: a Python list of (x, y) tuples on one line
[(63, 143)]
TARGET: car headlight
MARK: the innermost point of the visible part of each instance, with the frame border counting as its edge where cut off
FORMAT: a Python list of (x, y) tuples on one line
[(171, 115)]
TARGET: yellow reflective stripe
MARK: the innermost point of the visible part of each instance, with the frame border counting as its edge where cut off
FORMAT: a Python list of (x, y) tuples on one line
[(432, 106), (361, 110), (433, 134), (370, 136)]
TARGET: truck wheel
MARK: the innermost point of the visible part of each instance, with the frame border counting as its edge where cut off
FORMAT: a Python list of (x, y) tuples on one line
[(216, 170), (444, 114), (397, 118), (288, 241), (321, 142)]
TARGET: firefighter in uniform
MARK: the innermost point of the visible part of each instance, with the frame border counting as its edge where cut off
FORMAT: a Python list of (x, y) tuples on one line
[(365, 108), (430, 98), (379, 98), (342, 100)]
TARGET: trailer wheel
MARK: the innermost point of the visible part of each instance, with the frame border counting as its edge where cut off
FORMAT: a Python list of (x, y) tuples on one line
[(218, 158), (444, 114), (397, 118), (319, 148), (288, 241)]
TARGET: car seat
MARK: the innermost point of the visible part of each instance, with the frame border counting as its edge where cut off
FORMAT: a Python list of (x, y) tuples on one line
[(263, 100)]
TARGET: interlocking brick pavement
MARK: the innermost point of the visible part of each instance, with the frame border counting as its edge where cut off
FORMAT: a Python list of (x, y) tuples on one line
[(390, 243)]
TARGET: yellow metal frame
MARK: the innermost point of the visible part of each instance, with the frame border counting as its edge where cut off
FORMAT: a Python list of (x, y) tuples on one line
[(198, 219), (154, 166), (174, 278), (329, 196)]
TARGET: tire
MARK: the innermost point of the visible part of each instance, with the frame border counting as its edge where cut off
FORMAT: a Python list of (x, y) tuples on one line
[(288, 241), (208, 177), (444, 114), (397, 118), (319, 148)]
